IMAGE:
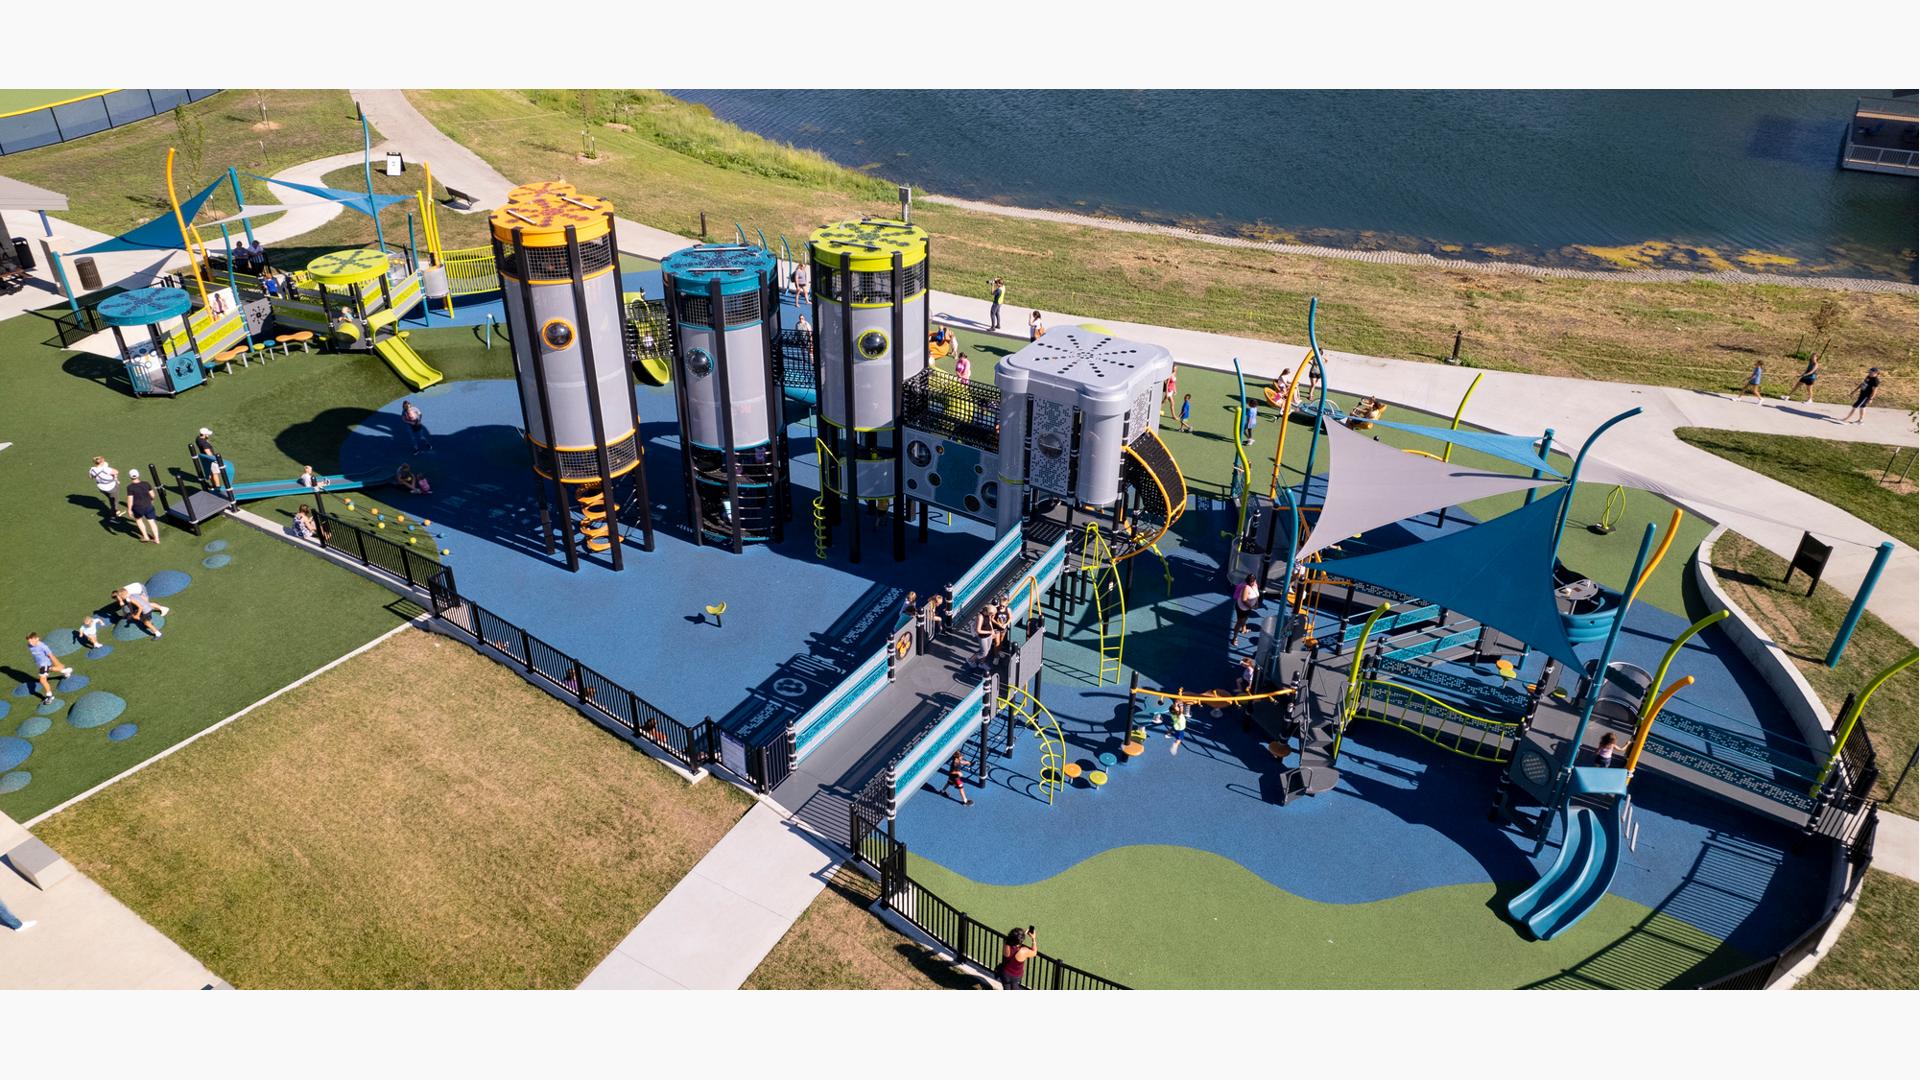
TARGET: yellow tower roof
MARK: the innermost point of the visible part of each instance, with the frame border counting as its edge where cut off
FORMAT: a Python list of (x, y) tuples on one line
[(868, 244), (543, 211)]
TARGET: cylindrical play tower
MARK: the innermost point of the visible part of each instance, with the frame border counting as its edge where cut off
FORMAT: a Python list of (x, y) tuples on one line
[(722, 303), (871, 319), (560, 282)]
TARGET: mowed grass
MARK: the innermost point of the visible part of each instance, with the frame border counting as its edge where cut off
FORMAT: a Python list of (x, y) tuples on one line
[(1804, 627), (838, 944), (418, 817), (118, 179), (1846, 474), (675, 160), (1878, 949)]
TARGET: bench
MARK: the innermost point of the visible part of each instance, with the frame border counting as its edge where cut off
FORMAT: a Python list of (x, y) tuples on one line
[(34, 860), (459, 200)]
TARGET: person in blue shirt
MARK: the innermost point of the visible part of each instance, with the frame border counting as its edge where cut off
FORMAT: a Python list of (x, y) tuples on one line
[(46, 664)]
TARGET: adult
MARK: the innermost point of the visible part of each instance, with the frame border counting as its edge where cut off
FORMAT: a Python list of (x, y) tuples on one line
[(1807, 379), (137, 592), (1246, 601), (1863, 397), (1021, 946), (997, 290), (46, 664), (127, 610), (935, 617), (106, 479), (140, 508), (1035, 327), (1168, 390), (416, 422), (212, 465), (805, 293), (1753, 382), (984, 634)]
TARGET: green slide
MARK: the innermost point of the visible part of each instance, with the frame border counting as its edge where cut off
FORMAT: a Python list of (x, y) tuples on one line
[(406, 363)]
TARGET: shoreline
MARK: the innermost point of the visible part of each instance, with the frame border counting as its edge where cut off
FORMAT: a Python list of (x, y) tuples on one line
[(1413, 258)]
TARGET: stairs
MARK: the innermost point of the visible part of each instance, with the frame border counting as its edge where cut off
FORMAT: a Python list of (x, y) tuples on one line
[(592, 502)]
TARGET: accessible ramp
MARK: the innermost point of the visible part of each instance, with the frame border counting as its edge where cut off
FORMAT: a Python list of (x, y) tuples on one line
[(407, 363), (273, 489)]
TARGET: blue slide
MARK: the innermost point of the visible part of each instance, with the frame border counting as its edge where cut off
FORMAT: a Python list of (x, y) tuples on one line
[(1589, 857)]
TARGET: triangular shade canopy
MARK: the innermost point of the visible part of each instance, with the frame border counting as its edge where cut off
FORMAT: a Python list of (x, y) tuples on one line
[(1372, 484), (1520, 449), (1499, 572), (160, 234), (352, 200)]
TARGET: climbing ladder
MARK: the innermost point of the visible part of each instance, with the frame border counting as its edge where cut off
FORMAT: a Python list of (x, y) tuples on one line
[(1053, 745), (592, 501), (827, 469), (1103, 571), (1153, 472)]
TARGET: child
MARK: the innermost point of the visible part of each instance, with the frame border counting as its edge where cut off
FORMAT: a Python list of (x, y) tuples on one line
[(1753, 383), (1186, 413), (1035, 327), (1608, 744), (1253, 415), (957, 777), (963, 369), (89, 632), (46, 664), (1178, 723)]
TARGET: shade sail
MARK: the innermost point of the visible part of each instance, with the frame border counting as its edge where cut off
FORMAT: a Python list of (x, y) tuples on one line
[(160, 234), (352, 200), (1522, 450), (1499, 572), (1371, 484)]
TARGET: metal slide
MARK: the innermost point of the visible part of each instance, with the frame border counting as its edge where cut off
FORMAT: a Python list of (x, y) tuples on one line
[(406, 363)]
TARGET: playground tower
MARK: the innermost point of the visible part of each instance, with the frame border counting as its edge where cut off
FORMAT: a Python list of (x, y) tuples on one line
[(722, 304), (871, 324), (1079, 410), (560, 284)]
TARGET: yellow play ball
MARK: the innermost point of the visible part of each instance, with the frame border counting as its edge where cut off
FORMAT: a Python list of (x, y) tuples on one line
[(412, 539), (381, 525), (446, 551)]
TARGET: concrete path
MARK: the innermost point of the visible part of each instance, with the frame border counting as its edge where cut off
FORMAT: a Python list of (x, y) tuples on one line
[(727, 914), (1896, 847), (84, 938)]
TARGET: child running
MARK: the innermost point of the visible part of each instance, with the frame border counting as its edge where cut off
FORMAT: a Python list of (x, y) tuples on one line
[(46, 664)]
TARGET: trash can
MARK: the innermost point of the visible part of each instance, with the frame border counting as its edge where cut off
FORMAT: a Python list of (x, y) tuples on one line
[(88, 273), (23, 253)]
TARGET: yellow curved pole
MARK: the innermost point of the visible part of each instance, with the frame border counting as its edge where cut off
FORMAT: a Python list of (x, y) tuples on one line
[(1423, 453), (1457, 413), (1647, 718), (1845, 727), (1673, 650), (1280, 446), (1215, 699), (1673, 529), (173, 200)]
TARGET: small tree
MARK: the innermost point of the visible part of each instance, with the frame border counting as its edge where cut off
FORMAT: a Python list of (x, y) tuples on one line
[(1825, 321), (193, 141)]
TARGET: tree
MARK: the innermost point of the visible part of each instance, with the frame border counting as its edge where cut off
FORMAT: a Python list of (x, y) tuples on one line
[(193, 142), (1829, 317)]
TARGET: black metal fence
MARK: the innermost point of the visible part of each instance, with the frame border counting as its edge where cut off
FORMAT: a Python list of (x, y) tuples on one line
[(1766, 972), (954, 929), (408, 562), (69, 328)]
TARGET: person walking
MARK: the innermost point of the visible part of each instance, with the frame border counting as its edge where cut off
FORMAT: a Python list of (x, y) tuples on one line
[(1167, 391), (416, 426), (997, 290), (1753, 382), (140, 508), (1807, 379), (14, 922), (1035, 327), (106, 479), (1186, 412), (1246, 601), (1021, 946), (1863, 397), (957, 777), (1246, 429), (46, 664), (1177, 717)]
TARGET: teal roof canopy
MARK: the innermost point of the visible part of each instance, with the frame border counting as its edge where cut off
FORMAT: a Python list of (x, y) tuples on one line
[(1519, 449), (1499, 572), (144, 307), (160, 234), (352, 200)]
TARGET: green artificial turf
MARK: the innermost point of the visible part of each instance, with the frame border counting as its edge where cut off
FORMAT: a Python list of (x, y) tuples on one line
[(1162, 917), (239, 632), (1846, 474)]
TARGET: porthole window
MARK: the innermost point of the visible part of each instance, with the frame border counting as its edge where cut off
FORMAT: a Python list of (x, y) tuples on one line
[(699, 361), (872, 344), (990, 494), (557, 333), (1051, 444), (918, 453)]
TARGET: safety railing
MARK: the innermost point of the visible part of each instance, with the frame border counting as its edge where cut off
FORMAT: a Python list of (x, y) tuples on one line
[(968, 939), (470, 271), (983, 573), (860, 686), (1764, 973), (921, 757), (1439, 723), (408, 563)]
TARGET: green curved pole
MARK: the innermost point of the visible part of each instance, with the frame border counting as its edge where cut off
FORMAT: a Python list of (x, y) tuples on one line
[(1240, 447), (1848, 721), (1606, 650), (742, 233), (1447, 454), (1353, 679), (1560, 524), (1673, 650), (1313, 354)]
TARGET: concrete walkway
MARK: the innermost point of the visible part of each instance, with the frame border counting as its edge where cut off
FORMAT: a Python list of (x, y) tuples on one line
[(84, 938), (727, 914)]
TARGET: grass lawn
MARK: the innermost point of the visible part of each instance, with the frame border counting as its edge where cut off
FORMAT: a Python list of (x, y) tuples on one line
[(1846, 474), (240, 631), (351, 229), (1877, 950), (674, 160), (838, 944), (418, 817), (1804, 627), (117, 179)]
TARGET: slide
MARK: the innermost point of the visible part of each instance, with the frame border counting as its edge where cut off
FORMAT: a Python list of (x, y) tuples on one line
[(1589, 857), (653, 370), (406, 363), (273, 489)]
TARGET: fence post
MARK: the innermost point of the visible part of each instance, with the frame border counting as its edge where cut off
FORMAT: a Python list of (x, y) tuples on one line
[(579, 680), (526, 649), (406, 565), (966, 935), (633, 710), (360, 542)]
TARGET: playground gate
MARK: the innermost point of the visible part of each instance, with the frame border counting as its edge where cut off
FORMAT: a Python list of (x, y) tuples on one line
[(954, 929)]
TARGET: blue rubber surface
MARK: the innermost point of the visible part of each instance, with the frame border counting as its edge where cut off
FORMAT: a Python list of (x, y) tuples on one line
[(215, 562), (97, 709), (173, 582), (33, 727), (794, 623), (13, 751), (123, 732), (14, 781)]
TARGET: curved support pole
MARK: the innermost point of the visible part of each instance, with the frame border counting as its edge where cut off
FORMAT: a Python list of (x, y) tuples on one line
[(1646, 721), (741, 233), (1606, 652), (1313, 344), (1240, 448), (1673, 650), (1673, 529), (173, 199), (1573, 478), (1353, 680), (763, 239), (1280, 446), (1447, 454), (1845, 728)]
